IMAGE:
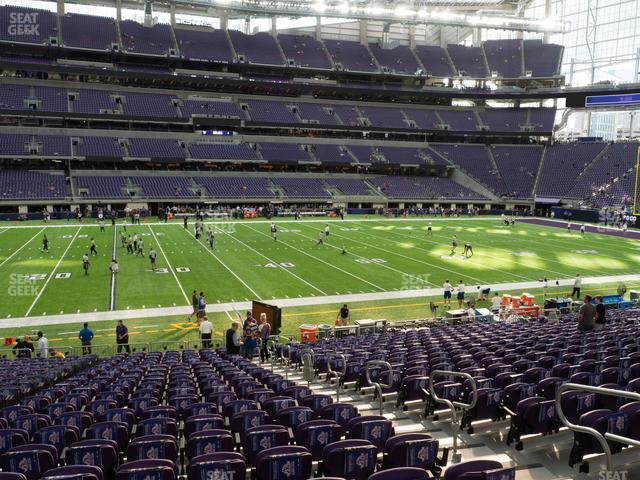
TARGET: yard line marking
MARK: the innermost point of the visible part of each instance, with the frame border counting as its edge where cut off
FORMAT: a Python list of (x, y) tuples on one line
[(224, 265), (407, 257), (52, 273), (112, 289), (320, 260), (278, 265), (383, 265), (229, 315), (499, 238), (419, 279), (483, 254), (24, 245), (169, 265), (579, 243)]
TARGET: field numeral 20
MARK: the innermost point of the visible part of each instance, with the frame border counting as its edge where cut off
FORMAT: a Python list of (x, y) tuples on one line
[(283, 265), (371, 260)]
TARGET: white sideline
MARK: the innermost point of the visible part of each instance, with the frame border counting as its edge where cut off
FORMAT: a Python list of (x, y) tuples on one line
[(289, 302), (112, 287), (359, 218)]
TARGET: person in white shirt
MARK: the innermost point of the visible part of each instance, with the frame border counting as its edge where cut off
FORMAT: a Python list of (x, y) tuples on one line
[(577, 284), (206, 329), (461, 289), (582, 229), (447, 292), (496, 301), (42, 347), (471, 313)]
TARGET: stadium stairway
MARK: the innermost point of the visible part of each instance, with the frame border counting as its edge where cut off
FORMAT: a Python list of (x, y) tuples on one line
[(539, 461)]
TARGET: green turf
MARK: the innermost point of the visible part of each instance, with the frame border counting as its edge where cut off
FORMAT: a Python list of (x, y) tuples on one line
[(382, 255)]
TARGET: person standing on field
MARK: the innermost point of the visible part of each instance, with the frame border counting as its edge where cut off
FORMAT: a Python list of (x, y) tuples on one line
[(152, 259), (85, 336), (85, 264), (122, 337), (577, 285)]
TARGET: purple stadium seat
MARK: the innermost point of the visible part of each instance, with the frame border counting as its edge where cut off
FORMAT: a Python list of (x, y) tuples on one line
[(317, 434), (401, 473), (262, 437), (31, 460), (217, 465), (151, 447), (293, 463), (79, 472), (350, 459), (209, 441), (156, 469)]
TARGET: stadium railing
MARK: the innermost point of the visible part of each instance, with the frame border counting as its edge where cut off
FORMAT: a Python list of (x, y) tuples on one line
[(453, 405), (602, 438)]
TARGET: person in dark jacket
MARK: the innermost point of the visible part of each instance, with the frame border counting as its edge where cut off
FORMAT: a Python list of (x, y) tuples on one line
[(233, 339), (24, 347)]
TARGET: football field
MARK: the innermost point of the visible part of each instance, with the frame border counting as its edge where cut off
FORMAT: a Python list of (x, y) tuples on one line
[(382, 255)]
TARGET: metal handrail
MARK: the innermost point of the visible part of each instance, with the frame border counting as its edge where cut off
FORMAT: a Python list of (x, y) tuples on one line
[(273, 340), (455, 457), (339, 375), (377, 385), (602, 439)]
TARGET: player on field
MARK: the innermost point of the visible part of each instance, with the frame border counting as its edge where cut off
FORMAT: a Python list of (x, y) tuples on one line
[(582, 229), (130, 244), (274, 232), (135, 242), (114, 266), (461, 290), (568, 226), (210, 237), (85, 263), (468, 250), (448, 288), (45, 244), (194, 304), (101, 223), (429, 229), (454, 244), (140, 250), (320, 238), (326, 232), (92, 247), (184, 221), (152, 258), (123, 238), (124, 225)]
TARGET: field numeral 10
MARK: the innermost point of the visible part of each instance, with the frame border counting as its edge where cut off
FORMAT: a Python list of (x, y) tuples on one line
[(283, 265)]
